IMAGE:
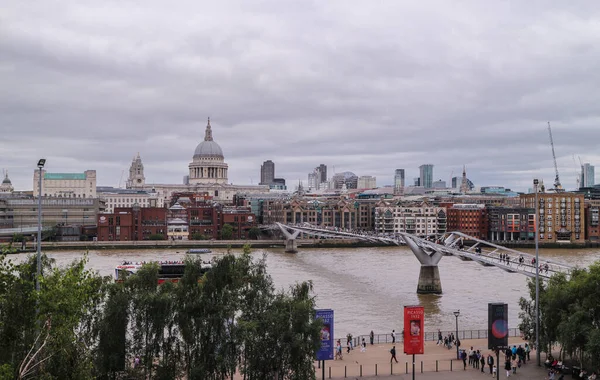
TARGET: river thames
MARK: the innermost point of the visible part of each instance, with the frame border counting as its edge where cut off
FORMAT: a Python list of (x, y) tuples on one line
[(368, 287)]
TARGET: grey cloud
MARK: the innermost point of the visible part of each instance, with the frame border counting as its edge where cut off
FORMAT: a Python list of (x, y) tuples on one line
[(367, 87)]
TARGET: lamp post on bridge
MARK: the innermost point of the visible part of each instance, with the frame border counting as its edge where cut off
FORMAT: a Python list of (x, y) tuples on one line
[(456, 314), (537, 275)]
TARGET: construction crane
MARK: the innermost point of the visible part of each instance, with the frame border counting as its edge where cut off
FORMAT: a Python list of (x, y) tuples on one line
[(121, 179), (557, 186)]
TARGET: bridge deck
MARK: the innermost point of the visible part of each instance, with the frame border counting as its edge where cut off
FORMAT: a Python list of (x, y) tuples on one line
[(450, 245)]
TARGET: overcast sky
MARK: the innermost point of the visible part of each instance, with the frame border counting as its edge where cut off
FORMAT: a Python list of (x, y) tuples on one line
[(365, 86)]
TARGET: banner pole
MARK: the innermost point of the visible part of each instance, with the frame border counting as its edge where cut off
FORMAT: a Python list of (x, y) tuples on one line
[(413, 371), (323, 367), (497, 363)]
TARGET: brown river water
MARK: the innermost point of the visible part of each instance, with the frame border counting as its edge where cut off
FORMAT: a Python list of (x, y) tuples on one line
[(368, 287)]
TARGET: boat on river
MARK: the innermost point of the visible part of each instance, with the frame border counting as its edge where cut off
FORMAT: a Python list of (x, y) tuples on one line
[(199, 250), (168, 271)]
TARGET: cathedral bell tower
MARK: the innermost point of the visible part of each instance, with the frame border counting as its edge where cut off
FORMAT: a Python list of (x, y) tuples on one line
[(136, 177)]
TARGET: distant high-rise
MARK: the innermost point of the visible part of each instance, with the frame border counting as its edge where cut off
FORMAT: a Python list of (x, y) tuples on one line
[(323, 171), (587, 175), (267, 172), (426, 175), (366, 182), (399, 181), (439, 184)]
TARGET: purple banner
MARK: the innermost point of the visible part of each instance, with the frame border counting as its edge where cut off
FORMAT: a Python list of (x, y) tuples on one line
[(325, 352)]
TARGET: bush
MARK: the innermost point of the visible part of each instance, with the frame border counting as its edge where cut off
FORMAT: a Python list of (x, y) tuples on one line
[(199, 236), (157, 237), (18, 238)]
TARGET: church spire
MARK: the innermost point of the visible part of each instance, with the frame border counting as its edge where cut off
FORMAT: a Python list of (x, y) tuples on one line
[(208, 133)]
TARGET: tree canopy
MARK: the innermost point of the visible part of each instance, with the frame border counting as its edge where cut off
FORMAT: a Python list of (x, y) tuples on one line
[(569, 314), (207, 326)]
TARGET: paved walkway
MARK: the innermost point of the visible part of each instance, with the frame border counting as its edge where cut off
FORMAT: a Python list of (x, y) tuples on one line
[(376, 361)]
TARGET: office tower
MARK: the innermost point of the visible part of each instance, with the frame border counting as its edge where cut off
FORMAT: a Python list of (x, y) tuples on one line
[(587, 175), (399, 181), (426, 175), (267, 172), (323, 171)]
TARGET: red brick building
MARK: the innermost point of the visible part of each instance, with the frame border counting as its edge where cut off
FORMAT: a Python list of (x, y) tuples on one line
[(470, 219), (240, 218), (203, 218), (132, 223)]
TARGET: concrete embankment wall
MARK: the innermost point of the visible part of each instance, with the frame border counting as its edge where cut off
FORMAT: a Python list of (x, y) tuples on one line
[(187, 244)]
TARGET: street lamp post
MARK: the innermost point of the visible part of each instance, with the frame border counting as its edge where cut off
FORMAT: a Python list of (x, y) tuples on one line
[(537, 274), (40, 165), (456, 314)]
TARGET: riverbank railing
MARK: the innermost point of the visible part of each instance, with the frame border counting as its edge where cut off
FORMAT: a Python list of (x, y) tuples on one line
[(429, 336)]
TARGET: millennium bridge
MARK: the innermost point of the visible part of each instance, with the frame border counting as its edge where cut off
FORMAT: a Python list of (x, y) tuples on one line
[(429, 252)]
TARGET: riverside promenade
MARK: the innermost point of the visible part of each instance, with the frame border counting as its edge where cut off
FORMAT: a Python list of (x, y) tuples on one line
[(437, 363)]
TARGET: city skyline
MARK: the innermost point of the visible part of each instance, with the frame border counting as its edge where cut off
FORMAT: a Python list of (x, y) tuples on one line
[(359, 91)]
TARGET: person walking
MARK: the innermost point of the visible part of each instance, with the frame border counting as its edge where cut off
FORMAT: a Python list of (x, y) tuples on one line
[(440, 339), (393, 336), (482, 362), (371, 337), (393, 352), (490, 361), (463, 356), (507, 367)]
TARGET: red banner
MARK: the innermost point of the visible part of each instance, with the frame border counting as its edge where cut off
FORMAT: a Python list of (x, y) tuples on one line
[(414, 336)]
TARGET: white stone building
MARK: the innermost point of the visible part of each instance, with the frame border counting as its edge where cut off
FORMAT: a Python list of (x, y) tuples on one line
[(6, 187), (421, 219), (114, 197), (208, 173), (366, 182), (66, 185)]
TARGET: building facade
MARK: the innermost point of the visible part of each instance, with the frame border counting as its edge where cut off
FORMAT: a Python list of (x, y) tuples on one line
[(426, 176), (349, 179), (132, 223), (470, 219), (66, 185), (562, 216), (511, 224), (125, 198), (399, 181), (421, 219), (592, 213), (16, 212), (366, 182), (267, 172), (588, 175)]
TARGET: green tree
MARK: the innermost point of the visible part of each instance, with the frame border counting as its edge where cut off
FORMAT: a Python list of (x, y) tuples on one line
[(111, 351), (227, 232), (254, 233), (157, 237)]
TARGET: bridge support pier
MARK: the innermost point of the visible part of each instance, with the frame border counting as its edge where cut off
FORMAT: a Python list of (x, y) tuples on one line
[(429, 280), (429, 277), (291, 246)]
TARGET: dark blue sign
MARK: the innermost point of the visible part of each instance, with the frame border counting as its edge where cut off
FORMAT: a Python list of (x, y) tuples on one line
[(326, 350)]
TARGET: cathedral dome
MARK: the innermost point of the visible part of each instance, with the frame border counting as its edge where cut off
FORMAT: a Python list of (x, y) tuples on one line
[(6, 181), (208, 148)]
